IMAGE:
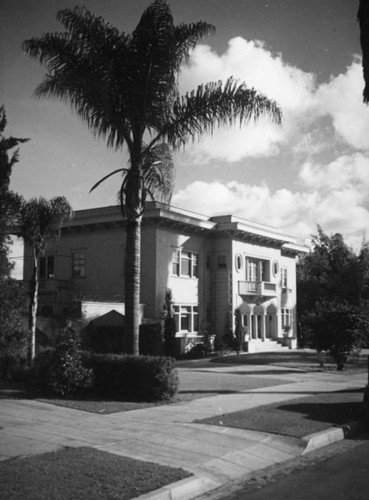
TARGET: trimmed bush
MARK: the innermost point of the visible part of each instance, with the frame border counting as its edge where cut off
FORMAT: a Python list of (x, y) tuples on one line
[(133, 378), (151, 339)]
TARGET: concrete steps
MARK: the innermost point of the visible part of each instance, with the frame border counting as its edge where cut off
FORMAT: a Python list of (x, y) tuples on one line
[(268, 345)]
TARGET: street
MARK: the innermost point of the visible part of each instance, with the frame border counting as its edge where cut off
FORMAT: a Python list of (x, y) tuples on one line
[(339, 471)]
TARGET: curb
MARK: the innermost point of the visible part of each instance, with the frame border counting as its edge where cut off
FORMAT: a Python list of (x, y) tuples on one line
[(181, 490), (324, 438)]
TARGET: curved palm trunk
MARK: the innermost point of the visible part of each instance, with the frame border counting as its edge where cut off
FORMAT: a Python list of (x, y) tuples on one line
[(33, 308), (132, 284), (132, 268)]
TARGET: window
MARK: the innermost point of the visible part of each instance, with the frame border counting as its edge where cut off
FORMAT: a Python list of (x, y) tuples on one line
[(284, 277), (46, 267), (286, 317), (258, 270), (79, 264), (222, 262), (238, 262), (252, 270), (275, 268), (186, 318), (184, 263)]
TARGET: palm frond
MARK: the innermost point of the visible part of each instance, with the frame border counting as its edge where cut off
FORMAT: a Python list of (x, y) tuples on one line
[(216, 104), (106, 177), (188, 35)]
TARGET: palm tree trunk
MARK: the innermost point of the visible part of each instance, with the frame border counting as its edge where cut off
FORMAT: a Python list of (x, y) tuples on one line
[(33, 307), (132, 284)]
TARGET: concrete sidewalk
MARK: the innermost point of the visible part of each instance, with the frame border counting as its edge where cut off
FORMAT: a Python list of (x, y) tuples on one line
[(166, 435)]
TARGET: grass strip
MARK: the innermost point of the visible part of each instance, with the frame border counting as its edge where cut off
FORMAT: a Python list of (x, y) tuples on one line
[(296, 417), (83, 473)]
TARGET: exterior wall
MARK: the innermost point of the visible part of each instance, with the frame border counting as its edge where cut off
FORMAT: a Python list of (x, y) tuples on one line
[(220, 286)]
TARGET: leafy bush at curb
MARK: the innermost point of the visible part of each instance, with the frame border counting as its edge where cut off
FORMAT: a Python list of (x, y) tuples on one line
[(126, 377), (60, 370)]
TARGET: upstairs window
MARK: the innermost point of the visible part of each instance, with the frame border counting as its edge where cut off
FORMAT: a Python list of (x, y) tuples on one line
[(46, 269), (79, 264), (184, 263)]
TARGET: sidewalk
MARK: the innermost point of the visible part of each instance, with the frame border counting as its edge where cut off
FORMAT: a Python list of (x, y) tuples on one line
[(166, 435)]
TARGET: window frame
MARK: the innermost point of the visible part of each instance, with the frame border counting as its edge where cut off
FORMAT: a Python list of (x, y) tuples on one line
[(186, 315), (46, 268), (82, 266), (286, 317), (185, 259)]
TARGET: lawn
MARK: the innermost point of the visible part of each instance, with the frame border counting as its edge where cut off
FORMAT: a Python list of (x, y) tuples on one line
[(83, 473), (297, 417)]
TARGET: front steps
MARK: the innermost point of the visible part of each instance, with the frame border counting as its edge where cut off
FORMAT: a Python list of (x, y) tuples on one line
[(268, 345)]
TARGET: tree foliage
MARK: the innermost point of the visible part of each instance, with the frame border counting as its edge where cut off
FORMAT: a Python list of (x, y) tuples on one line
[(13, 334), (125, 88), (40, 220), (333, 296)]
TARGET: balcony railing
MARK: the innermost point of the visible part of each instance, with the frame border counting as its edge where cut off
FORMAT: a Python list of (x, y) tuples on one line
[(261, 288)]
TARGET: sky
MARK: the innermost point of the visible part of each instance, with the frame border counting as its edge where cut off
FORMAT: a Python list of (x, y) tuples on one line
[(306, 55)]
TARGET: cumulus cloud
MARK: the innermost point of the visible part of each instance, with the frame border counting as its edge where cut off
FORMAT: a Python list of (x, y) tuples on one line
[(341, 99), (253, 63), (303, 103), (334, 197)]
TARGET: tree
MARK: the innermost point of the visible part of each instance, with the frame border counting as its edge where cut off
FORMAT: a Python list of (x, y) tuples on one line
[(169, 325), (39, 220), (9, 202), (337, 327), (125, 87), (333, 293), (13, 334), (363, 18)]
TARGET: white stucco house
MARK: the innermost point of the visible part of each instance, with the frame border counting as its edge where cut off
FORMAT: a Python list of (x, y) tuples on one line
[(212, 265)]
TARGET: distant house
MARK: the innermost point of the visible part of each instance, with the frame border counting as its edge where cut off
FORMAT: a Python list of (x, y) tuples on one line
[(212, 265)]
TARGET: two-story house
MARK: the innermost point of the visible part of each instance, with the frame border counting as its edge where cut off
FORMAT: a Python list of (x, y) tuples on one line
[(212, 265)]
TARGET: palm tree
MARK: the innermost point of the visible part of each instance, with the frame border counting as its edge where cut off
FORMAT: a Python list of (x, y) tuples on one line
[(125, 87), (39, 220), (363, 18)]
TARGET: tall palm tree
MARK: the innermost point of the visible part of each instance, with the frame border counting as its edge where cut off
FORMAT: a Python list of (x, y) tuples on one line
[(125, 87), (39, 220), (363, 18)]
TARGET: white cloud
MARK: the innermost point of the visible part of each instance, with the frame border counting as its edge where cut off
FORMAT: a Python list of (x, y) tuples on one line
[(253, 63), (341, 98), (346, 172), (337, 210)]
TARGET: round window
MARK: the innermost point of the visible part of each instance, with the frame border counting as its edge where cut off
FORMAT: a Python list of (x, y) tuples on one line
[(275, 267), (238, 262)]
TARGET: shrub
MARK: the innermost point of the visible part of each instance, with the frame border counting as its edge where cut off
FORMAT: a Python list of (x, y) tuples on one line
[(60, 369), (42, 366), (67, 374), (169, 325), (151, 339), (139, 378)]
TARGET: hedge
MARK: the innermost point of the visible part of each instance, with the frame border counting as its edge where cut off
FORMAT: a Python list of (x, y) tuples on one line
[(133, 378)]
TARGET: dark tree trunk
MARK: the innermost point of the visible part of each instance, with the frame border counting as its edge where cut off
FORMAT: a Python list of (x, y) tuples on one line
[(363, 17)]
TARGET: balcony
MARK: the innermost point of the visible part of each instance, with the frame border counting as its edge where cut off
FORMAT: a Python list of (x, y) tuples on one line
[(260, 288)]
